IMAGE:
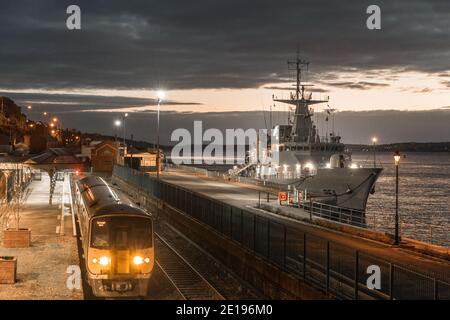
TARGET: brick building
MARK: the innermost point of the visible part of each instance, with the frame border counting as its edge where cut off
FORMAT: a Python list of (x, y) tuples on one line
[(104, 155)]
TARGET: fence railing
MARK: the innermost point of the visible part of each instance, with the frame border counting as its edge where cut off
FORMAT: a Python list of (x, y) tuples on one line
[(334, 213), (336, 269)]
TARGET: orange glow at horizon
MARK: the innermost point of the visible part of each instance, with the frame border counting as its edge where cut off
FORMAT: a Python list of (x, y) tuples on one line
[(403, 91)]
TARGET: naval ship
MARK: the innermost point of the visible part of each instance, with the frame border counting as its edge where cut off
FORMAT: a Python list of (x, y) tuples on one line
[(295, 155)]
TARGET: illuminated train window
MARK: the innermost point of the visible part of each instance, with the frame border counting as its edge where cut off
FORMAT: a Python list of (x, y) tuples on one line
[(121, 232)]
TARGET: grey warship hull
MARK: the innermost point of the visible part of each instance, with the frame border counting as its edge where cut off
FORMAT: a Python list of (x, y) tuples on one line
[(343, 187)]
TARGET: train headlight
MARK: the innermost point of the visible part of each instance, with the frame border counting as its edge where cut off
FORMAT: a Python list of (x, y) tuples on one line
[(104, 261), (147, 260), (137, 260)]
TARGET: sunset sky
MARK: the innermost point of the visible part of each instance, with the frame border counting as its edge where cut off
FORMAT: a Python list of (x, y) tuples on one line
[(222, 56)]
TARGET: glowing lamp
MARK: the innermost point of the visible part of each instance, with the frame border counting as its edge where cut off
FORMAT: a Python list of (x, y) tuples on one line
[(309, 166), (137, 260), (161, 95), (397, 157)]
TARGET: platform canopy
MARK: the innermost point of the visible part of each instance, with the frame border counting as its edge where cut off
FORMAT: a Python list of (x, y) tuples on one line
[(55, 159)]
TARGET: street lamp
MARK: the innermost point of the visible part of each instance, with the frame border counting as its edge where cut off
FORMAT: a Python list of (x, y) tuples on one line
[(397, 161), (160, 95), (374, 143), (58, 128), (125, 116), (117, 124)]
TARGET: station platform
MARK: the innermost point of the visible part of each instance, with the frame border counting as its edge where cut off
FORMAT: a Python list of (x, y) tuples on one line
[(42, 268)]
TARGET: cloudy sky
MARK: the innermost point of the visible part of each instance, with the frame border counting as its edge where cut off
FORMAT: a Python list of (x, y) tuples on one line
[(224, 59)]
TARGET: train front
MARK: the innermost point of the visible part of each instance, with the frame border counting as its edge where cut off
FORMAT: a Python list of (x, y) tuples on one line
[(120, 257)]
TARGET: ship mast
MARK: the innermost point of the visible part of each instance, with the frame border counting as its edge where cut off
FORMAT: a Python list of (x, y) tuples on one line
[(303, 130), (297, 65)]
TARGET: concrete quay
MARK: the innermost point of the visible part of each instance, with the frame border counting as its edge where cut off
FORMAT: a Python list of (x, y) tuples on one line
[(418, 257)]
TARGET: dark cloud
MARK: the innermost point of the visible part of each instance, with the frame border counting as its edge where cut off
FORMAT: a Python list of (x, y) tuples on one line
[(212, 44), (424, 90), (63, 103), (361, 85), (319, 90)]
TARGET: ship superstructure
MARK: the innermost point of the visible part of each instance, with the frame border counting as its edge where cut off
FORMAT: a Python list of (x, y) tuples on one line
[(317, 165)]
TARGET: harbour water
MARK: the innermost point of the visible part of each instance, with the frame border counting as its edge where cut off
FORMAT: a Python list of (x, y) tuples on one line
[(424, 195)]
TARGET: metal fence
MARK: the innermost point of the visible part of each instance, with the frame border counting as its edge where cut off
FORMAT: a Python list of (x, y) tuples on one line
[(336, 269), (419, 229), (335, 213)]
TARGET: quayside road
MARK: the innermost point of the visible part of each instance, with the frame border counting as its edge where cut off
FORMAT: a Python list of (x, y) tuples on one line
[(244, 196)]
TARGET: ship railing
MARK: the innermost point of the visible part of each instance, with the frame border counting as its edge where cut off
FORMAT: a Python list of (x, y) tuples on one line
[(335, 213)]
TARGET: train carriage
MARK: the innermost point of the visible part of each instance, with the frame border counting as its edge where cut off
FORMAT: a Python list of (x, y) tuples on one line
[(117, 240)]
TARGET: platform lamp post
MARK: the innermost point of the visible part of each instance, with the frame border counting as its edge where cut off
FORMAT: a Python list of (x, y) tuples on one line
[(397, 161), (160, 95), (374, 144)]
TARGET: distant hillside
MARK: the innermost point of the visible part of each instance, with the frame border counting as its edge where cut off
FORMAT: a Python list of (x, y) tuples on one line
[(405, 147), (137, 144)]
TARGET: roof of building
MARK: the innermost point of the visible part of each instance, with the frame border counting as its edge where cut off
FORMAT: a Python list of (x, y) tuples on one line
[(106, 143), (54, 156)]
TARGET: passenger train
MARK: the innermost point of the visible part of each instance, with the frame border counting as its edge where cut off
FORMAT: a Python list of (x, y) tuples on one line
[(117, 240)]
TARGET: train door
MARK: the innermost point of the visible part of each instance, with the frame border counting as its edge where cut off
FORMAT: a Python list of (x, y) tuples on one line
[(121, 249)]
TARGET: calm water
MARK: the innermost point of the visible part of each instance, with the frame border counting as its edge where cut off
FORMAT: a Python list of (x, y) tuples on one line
[(424, 192)]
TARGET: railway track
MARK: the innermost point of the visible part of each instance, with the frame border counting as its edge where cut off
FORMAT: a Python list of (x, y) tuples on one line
[(189, 283)]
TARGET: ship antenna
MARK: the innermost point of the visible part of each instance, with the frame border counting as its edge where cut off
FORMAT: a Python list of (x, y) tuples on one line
[(297, 65)]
